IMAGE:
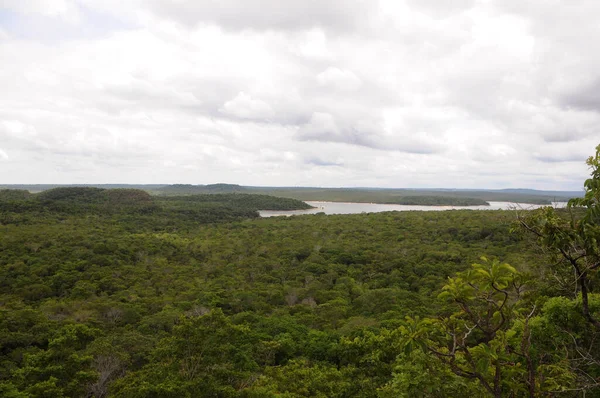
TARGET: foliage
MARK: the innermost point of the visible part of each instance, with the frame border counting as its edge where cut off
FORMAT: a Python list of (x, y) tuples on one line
[(204, 353), (118, 293), (307, 305), (488, 337), (123, 204), (7, 195), (240, 201), (573, 240)]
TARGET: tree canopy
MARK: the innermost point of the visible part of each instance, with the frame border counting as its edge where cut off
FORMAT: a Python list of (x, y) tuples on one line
[(117, 293)]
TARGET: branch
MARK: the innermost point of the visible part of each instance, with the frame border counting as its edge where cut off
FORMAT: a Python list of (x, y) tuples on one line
[(525, 346), (478, 375), (581, 279), (501, 307), (527, 227)]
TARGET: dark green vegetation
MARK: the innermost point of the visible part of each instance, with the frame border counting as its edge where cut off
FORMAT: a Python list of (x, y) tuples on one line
[(236, 201), (134, 206), (35, 188), (346, 196), (13, 194), (512, 334), (142, 301), (94, 297)]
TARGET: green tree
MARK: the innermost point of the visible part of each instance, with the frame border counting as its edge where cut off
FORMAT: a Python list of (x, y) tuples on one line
[(205, 356), (573, 241), (61, 370), (487, 337), (418, 374), (302, 378)]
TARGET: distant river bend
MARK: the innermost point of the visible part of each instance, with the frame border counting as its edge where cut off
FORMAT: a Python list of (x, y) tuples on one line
[(356, 208)]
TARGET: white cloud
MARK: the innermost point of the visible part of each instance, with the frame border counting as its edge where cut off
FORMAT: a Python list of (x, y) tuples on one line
[(265, 14), (243, 106), (312, 44), (339, 79), (44, 7), (383, 93), (41, 14), (320, 125)]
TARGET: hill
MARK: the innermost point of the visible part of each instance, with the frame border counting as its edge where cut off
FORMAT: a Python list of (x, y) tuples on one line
[(363, 195), (18, 206)]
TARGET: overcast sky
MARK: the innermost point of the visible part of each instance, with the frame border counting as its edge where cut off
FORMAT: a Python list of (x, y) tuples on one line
[(413, 93)]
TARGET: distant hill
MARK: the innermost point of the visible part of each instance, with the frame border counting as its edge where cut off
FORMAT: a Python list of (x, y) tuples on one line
[(570, 194), (18, 206), (437, 196), (91, 195), (13, 194), (44, 187), (239, 200), (403, 196), (187, 189)]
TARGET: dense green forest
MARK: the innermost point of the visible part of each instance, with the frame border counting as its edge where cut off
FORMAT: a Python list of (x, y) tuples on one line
[(135, 206), (118, 293)]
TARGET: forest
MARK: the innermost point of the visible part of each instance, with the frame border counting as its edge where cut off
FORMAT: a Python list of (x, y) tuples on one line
[(119, 293)]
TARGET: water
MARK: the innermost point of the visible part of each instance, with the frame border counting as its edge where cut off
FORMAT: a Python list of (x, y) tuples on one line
[(355, 208)]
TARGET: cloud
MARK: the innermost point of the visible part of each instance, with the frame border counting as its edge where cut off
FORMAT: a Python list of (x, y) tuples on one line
[(551, 123), (323, 127), (265, 14), (561, 152), (339, 79), (263, 92), (44, 7), (243, 106), (316, 161), (586, 96), (369, 133), (437, 9), (16, 132)]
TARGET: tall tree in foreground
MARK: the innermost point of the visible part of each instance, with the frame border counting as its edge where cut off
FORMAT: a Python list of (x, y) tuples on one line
[(573, 241), (488, 337), (507, 339)]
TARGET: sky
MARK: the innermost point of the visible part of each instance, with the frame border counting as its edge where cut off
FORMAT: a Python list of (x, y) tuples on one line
[(329, 93)]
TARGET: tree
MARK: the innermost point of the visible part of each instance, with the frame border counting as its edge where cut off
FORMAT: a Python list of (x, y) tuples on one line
[(573, 240), (205, 356), (63, 369), (498, 337), (487, 338), (302, 378)]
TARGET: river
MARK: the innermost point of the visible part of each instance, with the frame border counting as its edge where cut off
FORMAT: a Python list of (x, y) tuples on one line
[(355, 208)]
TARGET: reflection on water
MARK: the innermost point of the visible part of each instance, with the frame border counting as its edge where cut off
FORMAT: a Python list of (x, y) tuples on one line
[(354, 208)]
